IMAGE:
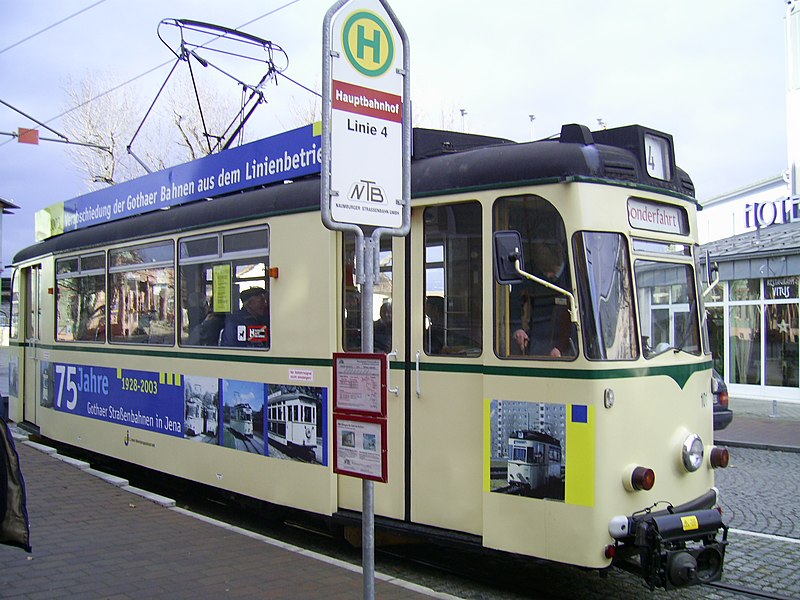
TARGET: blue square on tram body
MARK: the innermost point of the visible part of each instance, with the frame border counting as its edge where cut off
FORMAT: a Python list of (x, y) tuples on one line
[(580, 413)]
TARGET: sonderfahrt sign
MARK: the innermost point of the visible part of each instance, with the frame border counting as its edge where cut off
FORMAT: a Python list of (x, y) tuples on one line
[(366, 116)]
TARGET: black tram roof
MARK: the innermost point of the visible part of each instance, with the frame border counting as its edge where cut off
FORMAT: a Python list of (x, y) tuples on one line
[(442, 162), (534, 436)]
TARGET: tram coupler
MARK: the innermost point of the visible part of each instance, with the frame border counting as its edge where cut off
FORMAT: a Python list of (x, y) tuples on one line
[(674, 549)]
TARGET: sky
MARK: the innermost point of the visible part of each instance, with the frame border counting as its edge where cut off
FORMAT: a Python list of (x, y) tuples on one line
[(709, 72)]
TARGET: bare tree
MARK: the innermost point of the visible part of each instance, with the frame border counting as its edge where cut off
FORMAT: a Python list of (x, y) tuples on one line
[(201, 117), (305, 110), (175, 131), (105, 120)]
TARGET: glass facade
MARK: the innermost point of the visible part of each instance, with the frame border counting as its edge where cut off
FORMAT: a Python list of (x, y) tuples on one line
[(754, 327)]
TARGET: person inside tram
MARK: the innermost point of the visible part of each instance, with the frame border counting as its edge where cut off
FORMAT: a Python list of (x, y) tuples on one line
[(248, 327), (207, 333), (434, 326), (382, 329), (544, 327)]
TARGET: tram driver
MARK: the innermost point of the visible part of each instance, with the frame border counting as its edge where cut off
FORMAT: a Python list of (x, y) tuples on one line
[(544, 326)]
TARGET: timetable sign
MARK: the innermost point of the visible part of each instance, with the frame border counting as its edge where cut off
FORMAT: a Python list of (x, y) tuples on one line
[(359, 383)]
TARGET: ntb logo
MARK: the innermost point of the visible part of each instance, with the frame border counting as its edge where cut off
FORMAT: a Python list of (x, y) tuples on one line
[(368, 43), (367, 191)]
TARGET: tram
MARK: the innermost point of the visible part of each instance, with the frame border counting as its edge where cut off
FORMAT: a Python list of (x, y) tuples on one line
[(201, 412), (534, 461), (544, 286), (193, 423), (241, 421), (292, 423), (210, 419)]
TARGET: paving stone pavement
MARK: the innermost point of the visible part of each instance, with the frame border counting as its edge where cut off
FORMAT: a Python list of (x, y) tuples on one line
[(94, 540), (754, 473)]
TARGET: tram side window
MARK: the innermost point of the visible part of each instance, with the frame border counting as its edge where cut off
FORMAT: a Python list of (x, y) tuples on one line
[(533, 321), (605, 294), (453, 280), (14, 326), (381, 299), (224, 289), (81, 298), (142, 294)]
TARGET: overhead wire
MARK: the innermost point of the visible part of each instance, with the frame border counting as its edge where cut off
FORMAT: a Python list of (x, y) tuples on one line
[(147, 72), (33, 35), (101, 94)]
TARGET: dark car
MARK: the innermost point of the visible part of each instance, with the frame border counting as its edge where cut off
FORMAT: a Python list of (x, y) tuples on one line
[(723, 415)]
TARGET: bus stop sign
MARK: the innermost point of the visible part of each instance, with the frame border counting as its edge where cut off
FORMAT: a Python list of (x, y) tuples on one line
[(364, 102)]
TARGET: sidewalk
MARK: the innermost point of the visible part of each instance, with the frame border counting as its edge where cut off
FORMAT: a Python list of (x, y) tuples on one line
[(95, 538), (762, 424)]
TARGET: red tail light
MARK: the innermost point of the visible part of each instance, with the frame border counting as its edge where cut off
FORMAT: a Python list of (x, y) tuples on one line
[(720, 457), (643, 478)]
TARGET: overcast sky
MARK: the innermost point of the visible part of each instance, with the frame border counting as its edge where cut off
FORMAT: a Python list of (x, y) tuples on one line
[(711, 73)]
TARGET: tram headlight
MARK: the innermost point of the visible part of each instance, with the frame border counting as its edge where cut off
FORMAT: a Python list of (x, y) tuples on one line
[(692, 453)]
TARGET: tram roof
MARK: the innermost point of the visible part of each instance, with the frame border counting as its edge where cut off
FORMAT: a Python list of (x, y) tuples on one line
[(443, 162), (288, 397), (534, 436)]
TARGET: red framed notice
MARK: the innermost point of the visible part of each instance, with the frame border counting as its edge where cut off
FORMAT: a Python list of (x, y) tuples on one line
[(360, 447), (359, 383)]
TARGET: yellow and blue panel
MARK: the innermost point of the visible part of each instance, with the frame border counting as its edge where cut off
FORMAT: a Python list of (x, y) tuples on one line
[(540, 450)]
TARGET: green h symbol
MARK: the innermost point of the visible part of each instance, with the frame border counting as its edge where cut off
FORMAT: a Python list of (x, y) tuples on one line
[(374, 43)]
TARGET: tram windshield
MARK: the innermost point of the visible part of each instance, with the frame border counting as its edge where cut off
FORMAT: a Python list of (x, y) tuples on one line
[(666, 297), (605, 296)]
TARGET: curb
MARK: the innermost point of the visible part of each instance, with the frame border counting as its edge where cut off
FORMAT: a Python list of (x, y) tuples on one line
[(758, 446)]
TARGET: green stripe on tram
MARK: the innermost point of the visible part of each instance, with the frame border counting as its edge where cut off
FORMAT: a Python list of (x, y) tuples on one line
[(679, 373)]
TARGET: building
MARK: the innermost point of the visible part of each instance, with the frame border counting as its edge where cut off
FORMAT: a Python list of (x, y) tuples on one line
[(753, 235), (5, 306)]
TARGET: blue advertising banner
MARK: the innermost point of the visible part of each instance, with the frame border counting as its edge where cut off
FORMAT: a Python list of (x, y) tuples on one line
[(141, 399), (285, 156), (276, 420)]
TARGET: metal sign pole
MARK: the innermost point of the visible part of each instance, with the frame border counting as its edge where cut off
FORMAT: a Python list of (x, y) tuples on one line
[(369, 184), (367, 485)]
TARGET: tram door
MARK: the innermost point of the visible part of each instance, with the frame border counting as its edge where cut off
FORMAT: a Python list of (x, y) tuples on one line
[(444, 397), (30, 315), (389, 326)]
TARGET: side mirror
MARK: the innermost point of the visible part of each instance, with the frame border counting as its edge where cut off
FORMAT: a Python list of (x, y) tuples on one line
[(507, 246), (712, 275)]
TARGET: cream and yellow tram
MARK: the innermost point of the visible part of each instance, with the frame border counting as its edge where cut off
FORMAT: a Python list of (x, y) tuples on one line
[(602, 346)]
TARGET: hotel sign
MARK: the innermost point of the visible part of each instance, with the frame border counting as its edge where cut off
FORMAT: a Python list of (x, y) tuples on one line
[(764, 214)]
